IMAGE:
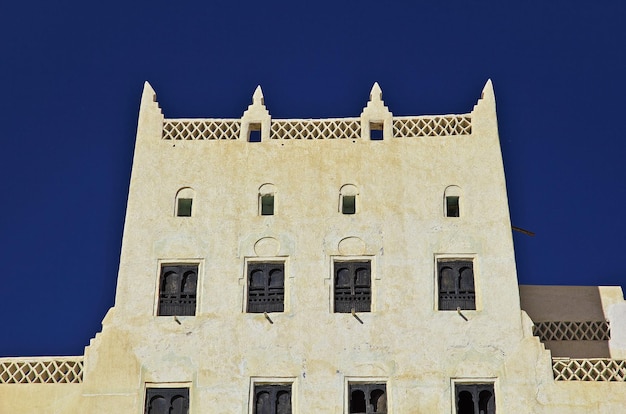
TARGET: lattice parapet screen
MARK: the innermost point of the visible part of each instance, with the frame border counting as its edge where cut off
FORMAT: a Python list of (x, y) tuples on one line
[(346, 128), (339, 128), (404, 127), (566, 369), (572, 331), (41, 371), (201, 129)]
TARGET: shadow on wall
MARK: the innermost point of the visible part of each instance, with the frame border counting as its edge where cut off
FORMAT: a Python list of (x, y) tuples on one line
[(569, 320)]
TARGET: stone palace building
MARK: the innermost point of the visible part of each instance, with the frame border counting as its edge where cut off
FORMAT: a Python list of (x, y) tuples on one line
[(335, 266)]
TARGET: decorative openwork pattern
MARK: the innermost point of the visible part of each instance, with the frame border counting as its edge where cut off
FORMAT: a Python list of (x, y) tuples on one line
[(346, 128), (192, 129), (432, 126), (572, 331), (41, 371), (566, 369)]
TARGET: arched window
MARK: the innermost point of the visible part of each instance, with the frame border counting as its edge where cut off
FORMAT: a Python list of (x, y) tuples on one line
[(266, 199), (272, 399), (368, 398), (353, 287), (184, 202), (266, 287), (475, 398), (167, 401), (177, 292), (452, 201), (348, 197), (456, 284)]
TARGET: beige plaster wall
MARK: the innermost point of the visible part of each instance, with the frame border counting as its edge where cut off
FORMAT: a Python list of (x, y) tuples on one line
[(418, 351)]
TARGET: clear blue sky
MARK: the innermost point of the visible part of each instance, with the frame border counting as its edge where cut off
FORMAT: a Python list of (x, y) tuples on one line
[(71, 74)]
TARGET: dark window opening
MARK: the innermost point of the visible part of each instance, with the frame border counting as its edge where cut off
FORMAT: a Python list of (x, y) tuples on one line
[(368, 399), (376, 131), (254, 133), (348, 204), (272, 399), (353, 287), (177, 292), (475, 399), (456, 285), (266, 287), (452, 206), (184, 207), (167, 401), (267, 205)]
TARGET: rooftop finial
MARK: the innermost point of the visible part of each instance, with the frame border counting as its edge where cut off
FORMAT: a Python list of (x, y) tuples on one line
[(257, 98), (376, 94)]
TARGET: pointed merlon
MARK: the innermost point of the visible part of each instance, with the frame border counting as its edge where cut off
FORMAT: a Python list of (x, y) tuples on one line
[(488, 91), (376, 94), (257, 98), (148, 95)]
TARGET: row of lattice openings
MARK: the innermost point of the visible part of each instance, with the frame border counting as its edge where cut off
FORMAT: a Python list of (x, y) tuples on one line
[(44, 371), (344, 128), (566, 369), (572, 331)]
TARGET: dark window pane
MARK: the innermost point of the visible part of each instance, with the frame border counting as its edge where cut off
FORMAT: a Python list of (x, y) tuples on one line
[(348, 205), (452, 206), (184, 207), (267, 205)]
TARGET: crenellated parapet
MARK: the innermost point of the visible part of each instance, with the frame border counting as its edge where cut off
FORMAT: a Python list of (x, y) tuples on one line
[(375, 123)]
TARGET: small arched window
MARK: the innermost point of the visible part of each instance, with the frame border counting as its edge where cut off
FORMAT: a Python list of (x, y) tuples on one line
[(266, 199), (184, 202), (452, 201), (348, 195)]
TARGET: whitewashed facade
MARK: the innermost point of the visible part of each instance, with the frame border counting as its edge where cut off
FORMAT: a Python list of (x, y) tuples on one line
[(348, 265)]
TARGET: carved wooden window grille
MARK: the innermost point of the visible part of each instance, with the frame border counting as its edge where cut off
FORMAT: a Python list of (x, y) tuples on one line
[(167, 401), (272, 399), (475, 399), (353, 287), (456, 285), (177, 292), (368, 399), (266, 287)]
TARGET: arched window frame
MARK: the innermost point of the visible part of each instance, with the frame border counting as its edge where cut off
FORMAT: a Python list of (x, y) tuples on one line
[(374, 391), (358, 294), (267, 200), (453, 202), (268, 297), (349, 199), (184, 300), (463, 295), (175, 400), (183, 204), (482, 393)]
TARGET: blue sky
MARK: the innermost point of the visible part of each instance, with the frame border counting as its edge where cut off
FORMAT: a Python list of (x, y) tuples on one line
[(71, 75)]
